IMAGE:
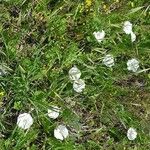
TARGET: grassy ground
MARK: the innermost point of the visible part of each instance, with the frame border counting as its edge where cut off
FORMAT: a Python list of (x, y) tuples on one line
[(41, 40)]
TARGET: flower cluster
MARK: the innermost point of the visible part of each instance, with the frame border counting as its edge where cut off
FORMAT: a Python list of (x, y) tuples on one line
[(61, 132), (74, 75), (127, 28), (25, 121), (132, 64)]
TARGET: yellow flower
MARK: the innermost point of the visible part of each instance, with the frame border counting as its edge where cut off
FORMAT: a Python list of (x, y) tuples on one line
[(1, 94), (88, 3), (104, 7)]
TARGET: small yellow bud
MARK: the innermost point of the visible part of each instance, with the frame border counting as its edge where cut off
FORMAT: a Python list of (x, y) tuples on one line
[(88, 3), (104, 7), (1, 93)]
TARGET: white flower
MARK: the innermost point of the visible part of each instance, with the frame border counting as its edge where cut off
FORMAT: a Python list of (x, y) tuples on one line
[(131, 134), (132, 65), (79, 85), (53, 112), (133, 37), (99, 35), (108, 60), (127, 28), (74, 73), (24, 121), (61, 132)]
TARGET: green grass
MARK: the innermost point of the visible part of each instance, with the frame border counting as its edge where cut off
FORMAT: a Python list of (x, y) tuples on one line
[(40, 41)]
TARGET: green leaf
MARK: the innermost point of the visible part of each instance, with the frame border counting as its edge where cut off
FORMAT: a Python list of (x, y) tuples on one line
[(134, 10)]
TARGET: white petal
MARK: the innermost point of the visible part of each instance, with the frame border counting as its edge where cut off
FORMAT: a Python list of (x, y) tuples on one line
[(79, 85), (133, 65), (24, 121), (61, 132), (74, 73), (99, 35), (133, 37), (53, 112), (108, 60), (131, 134), (127, 28), (58, 135)]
